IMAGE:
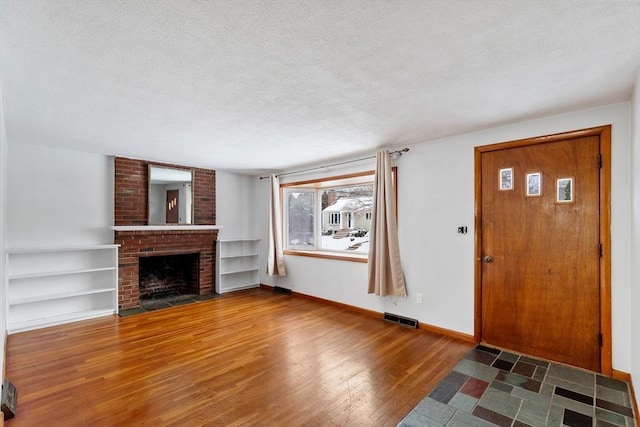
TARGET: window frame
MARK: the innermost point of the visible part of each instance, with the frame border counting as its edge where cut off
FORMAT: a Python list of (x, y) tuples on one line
[(318, 184)]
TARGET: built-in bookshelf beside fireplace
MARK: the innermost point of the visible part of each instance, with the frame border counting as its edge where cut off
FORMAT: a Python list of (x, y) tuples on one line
[(52, 285)]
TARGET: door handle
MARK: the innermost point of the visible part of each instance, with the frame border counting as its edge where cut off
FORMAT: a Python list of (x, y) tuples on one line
[(488, 259)]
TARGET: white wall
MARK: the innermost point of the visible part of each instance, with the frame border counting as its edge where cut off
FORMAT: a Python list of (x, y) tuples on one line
[(635, 243), (58, 197), (435, 196), (3, 210), (235, 205)]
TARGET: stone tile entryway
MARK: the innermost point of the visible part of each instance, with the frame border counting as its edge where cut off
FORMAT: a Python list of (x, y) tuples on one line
[(494, 387)]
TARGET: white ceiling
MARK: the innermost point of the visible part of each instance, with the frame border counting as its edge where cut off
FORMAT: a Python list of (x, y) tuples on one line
[(264, 85)]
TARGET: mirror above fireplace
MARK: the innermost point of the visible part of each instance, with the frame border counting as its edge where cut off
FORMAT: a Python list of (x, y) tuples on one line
[(170, 195)]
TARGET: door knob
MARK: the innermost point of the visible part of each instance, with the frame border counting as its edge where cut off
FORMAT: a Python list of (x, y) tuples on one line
[(488, 258)]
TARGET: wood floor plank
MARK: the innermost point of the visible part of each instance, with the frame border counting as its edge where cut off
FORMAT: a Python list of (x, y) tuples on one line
[(252, 357)]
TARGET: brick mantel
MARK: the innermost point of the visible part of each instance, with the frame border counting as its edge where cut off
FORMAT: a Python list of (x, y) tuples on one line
[(164, 227)]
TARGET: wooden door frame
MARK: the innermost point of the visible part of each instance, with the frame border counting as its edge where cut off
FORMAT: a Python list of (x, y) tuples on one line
[(604, 132)]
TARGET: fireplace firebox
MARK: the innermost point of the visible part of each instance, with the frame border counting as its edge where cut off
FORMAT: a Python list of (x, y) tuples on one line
[(168, 275)]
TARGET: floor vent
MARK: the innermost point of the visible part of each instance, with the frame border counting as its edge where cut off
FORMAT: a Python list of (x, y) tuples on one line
[(279, 290), (401, 320), (9, 399)]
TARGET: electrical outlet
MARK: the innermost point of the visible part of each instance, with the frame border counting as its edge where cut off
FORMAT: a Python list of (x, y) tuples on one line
[(419, 298)]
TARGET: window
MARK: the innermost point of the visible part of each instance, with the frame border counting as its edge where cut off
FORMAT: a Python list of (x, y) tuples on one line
[(300, 215), (329, 215), (334, 218)]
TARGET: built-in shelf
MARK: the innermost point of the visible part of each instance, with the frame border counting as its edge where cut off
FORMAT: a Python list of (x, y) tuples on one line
[(240, 270), (51, 285), (238, 264), (59, 248), (39, 322), (239, 256), (36, 298), (59, 273)]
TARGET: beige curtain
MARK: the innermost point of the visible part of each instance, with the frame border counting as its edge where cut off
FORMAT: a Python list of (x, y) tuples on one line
[(385, 271), (275, 257)]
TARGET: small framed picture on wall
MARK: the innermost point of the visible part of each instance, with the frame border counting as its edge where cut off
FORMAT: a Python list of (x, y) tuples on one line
[(505, 179), (534, 184), (564, 190)]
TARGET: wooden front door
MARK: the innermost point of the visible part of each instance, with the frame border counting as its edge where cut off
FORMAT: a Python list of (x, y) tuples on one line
[(540, 248), (172, 206)]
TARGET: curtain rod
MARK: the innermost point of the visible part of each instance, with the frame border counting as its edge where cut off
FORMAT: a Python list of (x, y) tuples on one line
[(393, 154)]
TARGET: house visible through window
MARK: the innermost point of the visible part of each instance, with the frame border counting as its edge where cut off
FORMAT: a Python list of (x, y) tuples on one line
[(332, 214)]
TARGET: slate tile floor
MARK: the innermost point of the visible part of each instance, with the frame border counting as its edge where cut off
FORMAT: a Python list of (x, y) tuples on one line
[(166, 302), (493, 387)]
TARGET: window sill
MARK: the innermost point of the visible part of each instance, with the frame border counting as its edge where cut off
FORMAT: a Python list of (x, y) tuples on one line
[(329, 255)]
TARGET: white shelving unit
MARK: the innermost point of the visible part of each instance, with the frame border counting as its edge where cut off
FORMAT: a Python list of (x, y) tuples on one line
[(238, 264), (50, 286)]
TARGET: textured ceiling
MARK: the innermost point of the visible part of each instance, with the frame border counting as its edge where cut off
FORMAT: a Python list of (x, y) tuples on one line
[(265, 85)]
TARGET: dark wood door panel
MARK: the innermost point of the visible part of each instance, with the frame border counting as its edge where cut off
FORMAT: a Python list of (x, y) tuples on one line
[(172, 206), (540, 295)]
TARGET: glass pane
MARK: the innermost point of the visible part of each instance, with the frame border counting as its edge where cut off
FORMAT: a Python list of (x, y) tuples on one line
[(346, 218), (300, 219)]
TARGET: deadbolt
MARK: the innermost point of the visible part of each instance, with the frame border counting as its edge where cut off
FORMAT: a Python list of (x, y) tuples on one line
[(488, 258)]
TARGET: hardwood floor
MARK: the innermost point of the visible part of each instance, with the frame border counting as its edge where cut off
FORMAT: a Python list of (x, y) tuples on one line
[(248, 358)]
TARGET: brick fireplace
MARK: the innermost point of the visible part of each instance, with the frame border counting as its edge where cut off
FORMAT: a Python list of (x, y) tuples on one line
[(138, 240), (140, 243)]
